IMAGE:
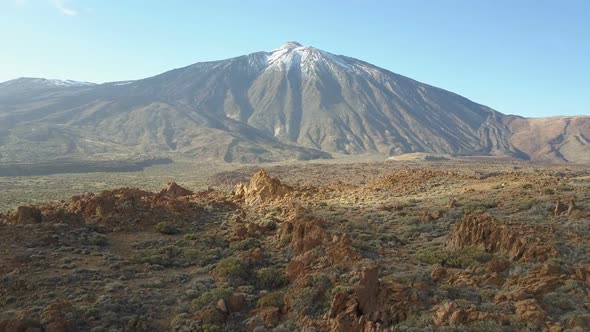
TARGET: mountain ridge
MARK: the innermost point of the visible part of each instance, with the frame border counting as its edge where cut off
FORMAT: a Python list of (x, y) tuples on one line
[(292, 102)]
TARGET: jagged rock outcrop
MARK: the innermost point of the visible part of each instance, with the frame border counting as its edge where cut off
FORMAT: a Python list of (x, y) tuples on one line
[(305, 234), (174, 190), (517, 241), (262, 189), (372, 305)]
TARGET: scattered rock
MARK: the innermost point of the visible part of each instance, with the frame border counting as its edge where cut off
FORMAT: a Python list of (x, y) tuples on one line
[(221, 305)]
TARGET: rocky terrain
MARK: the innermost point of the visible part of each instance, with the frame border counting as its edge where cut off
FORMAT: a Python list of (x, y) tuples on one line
[(388, 246), (293, 102)]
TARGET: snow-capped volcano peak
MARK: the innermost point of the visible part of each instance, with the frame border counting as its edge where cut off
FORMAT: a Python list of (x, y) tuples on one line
[(290, 45), (308, 58)]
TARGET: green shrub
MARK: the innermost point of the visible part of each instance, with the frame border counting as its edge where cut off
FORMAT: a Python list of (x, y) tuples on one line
[(247, 244), (527, 204), (460, 258), (313, 300), (307, 302), (480, 205), (191, 237), (212, 320), (212, 296), (232, 269), (95, 239), (341, 289), (269, 224), (166, 228), (270, 278), (167, 256), (275, 299)]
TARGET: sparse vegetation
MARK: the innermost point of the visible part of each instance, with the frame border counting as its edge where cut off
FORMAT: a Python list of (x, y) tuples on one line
[(458, 259), (170, 269), (275, 299), (166, 228), (232, 269), (270, 278)]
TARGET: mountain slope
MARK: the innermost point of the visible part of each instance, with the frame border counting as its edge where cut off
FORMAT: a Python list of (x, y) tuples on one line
[(292, 102), (552, 139)]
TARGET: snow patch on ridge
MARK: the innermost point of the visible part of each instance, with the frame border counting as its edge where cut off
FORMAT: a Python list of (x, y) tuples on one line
[(312, 60), (64, 83)]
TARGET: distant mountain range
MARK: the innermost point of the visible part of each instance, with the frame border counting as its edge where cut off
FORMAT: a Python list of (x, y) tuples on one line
[(292, 102)]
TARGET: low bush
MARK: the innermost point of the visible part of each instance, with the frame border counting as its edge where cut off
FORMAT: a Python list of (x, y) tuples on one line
[(270, 278), (167, 228), (212, 296), (459, 259), (246, 244), (232, 269), (275, 299)]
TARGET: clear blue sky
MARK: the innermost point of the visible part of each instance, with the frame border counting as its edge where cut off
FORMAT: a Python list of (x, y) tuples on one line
[(527, 57)]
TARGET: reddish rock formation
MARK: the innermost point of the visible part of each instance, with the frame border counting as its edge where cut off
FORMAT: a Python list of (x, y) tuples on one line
[(124, 207), (372, 305), (174, 190), (438, 274), (529, 310), (28, 215), (341, 250), (538, 282), (517, 241), (449, 313), (475, 278), (496, 265), (303, 234), (262, 189)]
